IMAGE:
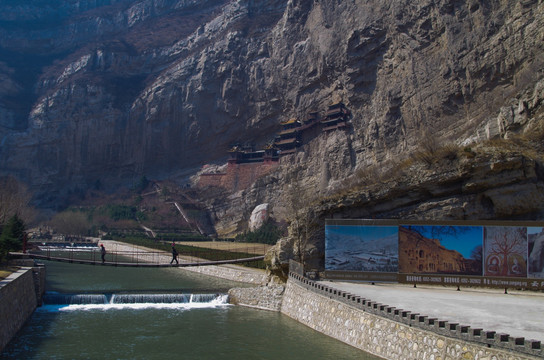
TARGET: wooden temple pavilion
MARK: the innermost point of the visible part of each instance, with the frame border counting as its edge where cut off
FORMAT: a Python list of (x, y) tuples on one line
[(336, 117), (288, 139), (247, 154), (311, 120)]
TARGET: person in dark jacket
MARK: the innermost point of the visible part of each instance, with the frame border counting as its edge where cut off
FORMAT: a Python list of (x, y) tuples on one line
[(174, 255), (103, 253)]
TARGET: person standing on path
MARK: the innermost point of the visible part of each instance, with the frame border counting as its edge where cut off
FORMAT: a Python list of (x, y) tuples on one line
[(103, 253), (174, 254)]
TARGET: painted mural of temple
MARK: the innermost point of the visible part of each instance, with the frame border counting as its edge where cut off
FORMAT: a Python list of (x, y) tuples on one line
[(418, 254)]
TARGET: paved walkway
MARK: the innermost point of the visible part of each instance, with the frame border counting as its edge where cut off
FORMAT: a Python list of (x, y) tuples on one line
[(518, 313)]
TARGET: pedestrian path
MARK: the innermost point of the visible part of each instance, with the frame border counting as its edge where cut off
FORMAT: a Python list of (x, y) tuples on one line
[(517, 313)]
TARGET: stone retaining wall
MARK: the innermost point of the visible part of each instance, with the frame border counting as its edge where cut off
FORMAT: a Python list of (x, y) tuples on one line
[(392, 334), (232, 272), (38, 272), (261, 297), (18, 301)]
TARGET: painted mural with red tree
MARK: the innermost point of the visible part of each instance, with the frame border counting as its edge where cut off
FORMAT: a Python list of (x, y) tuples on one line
[(505, 251)]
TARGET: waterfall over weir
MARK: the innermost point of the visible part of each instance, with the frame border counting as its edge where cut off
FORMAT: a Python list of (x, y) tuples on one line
[(74, 299), (162, 298), (124, 300)]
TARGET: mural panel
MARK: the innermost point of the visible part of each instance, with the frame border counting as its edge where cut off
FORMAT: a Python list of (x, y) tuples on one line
[(361, 248), (535, 237), (491, 254), (505, 251), (437, 249)]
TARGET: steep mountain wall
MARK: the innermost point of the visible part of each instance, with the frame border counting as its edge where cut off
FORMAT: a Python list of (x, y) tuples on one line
[(97, 93), (498, 179)]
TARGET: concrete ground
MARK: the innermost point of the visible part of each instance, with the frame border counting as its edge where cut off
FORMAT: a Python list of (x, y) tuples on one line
[(518, 313)]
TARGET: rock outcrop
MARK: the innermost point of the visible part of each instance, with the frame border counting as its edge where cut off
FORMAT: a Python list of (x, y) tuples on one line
[(259, 216), (107, 91)]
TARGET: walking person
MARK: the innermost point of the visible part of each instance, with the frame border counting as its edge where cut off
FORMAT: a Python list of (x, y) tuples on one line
[(103, 253), (174, 254)]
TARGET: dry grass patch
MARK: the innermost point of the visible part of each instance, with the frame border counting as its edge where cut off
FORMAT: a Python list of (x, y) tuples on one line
[(522, 144), (430, 152)]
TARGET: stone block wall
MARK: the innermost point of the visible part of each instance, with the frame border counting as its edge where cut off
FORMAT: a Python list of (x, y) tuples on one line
[(232, 272), (391, 334), (215, 180), (18, 301), (261, 297)]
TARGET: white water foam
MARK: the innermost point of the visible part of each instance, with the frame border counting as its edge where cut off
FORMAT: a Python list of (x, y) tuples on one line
[(217, 302)]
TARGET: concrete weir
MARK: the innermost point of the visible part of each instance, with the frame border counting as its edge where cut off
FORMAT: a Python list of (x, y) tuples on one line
[(393, 333)]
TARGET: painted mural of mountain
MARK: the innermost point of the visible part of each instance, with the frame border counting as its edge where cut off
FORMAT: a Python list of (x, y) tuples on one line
[(354, 253)]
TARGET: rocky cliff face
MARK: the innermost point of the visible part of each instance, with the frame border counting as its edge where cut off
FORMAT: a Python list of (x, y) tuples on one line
[(97, 93)]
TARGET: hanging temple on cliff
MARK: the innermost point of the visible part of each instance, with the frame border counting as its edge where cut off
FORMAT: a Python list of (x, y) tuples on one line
[(245, 164), (293, 134)]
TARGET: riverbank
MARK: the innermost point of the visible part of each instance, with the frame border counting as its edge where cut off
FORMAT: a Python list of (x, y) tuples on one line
[(397, 322), (389, 337)]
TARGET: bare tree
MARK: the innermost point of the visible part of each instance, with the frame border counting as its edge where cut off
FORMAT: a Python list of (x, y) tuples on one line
[(304, 228), (477, 253), (14, 200), (70, 223)]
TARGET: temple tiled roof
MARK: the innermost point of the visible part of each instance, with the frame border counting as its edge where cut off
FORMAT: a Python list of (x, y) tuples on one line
[(290, 121)]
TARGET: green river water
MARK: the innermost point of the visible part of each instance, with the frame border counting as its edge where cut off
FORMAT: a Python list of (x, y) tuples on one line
[(146, 326)]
